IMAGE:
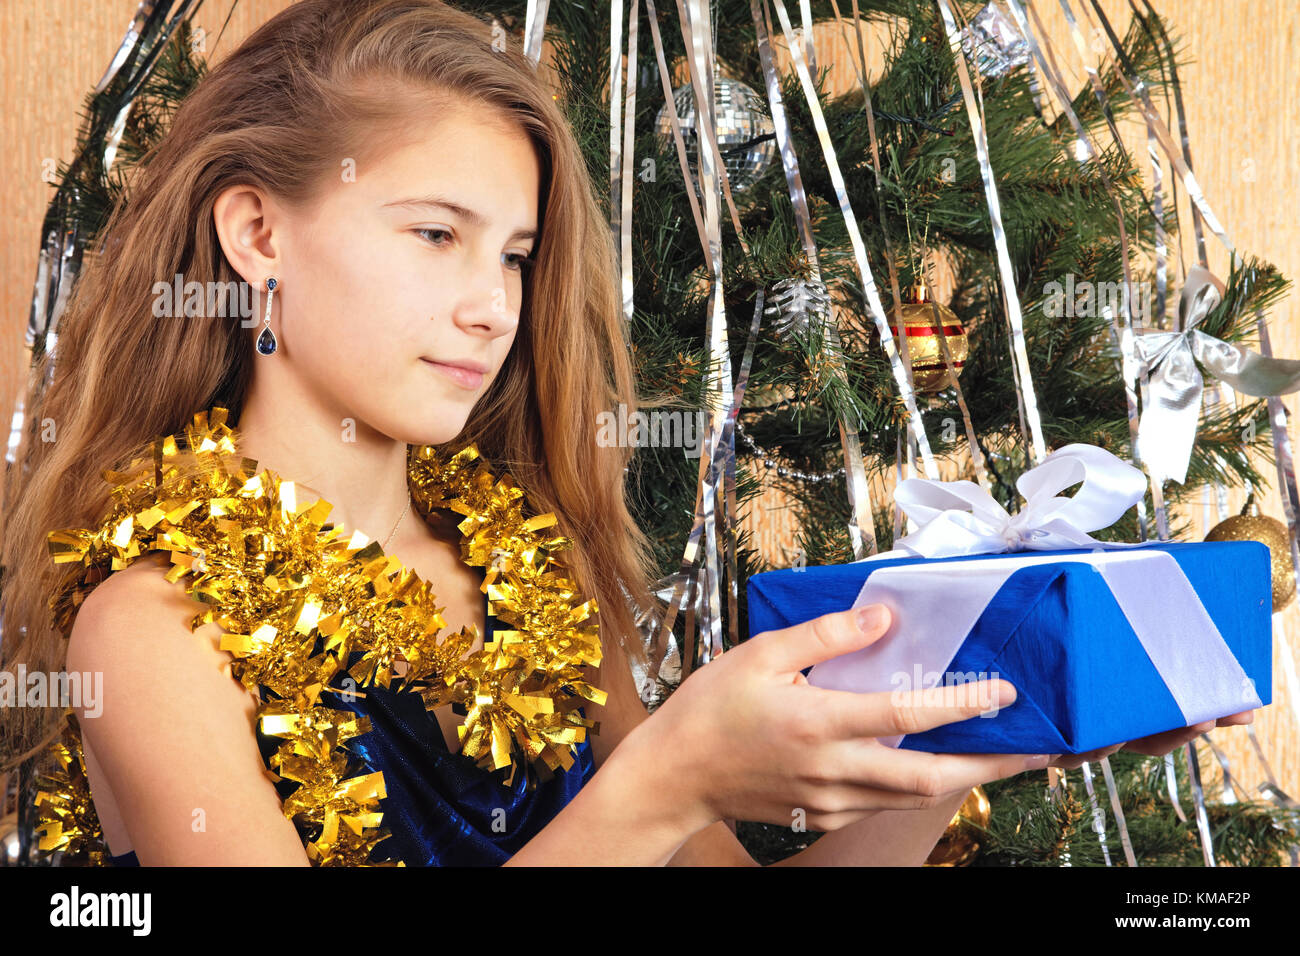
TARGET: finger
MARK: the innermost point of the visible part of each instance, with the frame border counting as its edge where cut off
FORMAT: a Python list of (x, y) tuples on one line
[(1245, 717), (849, 714), (843, 801), (1157, 745), (869, 765), (1069, 761), (821, 639), (1075, 761), (827, 822)]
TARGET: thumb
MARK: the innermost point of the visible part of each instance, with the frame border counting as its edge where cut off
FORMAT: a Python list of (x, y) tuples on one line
[(823, 638)]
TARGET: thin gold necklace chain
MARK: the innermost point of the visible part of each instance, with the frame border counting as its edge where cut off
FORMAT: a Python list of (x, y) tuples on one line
[(399, 518), (384, 544)]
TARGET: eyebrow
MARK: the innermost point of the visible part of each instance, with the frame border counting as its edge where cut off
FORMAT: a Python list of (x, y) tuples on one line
[(455, 208)]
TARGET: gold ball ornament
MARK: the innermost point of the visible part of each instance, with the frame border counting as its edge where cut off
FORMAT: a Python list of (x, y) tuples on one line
[(1268, 531), (929, 371), (960, 842)]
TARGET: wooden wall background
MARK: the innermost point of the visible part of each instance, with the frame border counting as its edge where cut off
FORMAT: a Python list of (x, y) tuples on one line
[(1240, 98)]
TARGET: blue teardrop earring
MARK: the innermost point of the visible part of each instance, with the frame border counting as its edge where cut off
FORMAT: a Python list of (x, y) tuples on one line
[(266, 343)]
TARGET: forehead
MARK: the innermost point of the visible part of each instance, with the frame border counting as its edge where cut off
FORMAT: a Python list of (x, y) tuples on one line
[(480, 157)]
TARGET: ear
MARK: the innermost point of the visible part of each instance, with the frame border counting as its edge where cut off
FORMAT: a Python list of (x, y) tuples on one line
[(246, 221)]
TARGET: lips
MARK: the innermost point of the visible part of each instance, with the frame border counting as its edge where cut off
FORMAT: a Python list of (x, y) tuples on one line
[(468, 366), (466, 375)]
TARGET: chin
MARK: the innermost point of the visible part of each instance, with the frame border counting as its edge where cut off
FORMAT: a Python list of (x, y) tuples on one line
[(438, 428), (427, 436), (424, 415)]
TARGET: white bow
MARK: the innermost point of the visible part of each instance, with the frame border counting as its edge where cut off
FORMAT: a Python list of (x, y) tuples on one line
[(960, 517)]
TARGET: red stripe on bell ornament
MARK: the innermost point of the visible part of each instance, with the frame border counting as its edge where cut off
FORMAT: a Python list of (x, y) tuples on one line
[(929, 372)]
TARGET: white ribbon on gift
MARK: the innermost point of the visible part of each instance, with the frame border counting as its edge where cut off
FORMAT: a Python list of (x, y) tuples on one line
[(960, 518)]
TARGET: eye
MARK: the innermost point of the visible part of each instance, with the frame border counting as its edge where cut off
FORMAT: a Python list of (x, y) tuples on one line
[(516, 261), (519, 259), (438, 232)]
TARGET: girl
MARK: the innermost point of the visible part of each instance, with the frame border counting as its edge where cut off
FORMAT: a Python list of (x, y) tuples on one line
[(433, 274)]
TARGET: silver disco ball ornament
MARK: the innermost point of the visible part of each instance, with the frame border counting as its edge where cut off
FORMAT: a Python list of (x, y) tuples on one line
[(745, 132), (994, 42)]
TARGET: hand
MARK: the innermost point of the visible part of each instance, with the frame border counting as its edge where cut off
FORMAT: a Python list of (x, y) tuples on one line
[(1156, 745), (747, 737)]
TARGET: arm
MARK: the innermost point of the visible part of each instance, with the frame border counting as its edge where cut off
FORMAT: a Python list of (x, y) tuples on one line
[(712, 845), (895, 837), (887, 838), (628, 813), (174, 736), (625, 815)]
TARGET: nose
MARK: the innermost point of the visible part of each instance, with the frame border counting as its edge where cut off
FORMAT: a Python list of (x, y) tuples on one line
[(488, 300)]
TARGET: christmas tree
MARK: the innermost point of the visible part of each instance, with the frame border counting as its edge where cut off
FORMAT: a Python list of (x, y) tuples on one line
[(914, 182)]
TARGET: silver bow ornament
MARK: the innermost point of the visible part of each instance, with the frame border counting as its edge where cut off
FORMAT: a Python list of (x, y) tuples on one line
[(1172, 404)]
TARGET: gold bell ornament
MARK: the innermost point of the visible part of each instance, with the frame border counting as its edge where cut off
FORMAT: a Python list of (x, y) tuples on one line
[(929, 372)]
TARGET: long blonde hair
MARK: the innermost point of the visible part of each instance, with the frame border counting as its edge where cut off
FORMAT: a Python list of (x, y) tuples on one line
[(325, 79)]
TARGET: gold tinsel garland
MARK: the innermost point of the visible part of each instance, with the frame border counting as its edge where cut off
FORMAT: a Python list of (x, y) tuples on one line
[(294, 602)]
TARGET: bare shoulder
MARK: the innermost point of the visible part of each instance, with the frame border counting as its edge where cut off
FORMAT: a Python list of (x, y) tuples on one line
[(174, 734), (138, 593), (137, 617)]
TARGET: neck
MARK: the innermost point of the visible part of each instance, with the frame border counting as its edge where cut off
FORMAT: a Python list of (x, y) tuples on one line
[(358, 470)]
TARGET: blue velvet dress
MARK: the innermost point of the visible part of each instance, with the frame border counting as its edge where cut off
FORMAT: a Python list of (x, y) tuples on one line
[(441, 809)]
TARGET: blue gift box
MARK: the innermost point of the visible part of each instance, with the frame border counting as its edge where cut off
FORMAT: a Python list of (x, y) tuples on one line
[(1055, 630)]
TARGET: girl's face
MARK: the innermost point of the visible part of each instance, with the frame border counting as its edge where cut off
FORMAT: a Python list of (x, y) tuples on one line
[(406, 266)]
